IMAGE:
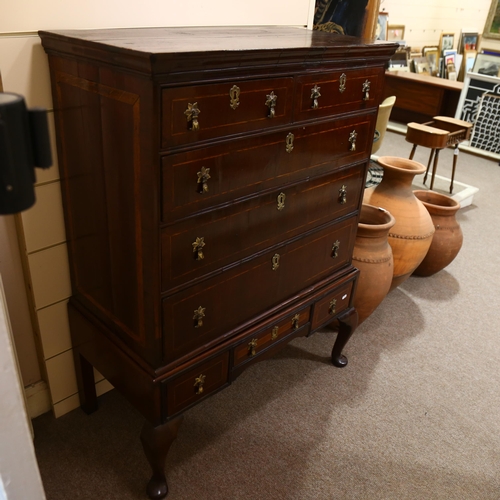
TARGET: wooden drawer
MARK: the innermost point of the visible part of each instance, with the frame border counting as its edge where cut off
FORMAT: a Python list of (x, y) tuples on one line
[(251, 347), (333, 303), (211, 308), (192, 386), (224, 109), (333, 99), (212, 240), (247, 166)]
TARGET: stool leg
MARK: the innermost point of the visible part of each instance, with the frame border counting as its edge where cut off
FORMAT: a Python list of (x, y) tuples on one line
[(413, 149), (455, 158), (436, 158), (429, 164)]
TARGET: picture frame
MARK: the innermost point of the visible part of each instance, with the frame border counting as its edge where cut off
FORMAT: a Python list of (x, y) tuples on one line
[(431, 53), (422, 66), (446, 41), (395, 32), (467, 63), (382, 23), (468, 41), (492, 25), (487, 64)]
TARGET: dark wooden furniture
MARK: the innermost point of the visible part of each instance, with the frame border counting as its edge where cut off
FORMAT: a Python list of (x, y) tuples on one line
[(212, 181), (421, 97)]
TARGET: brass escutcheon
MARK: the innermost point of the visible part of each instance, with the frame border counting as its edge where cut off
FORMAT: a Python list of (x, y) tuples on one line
[(315, 95), (276, 261), (234, 94), (274, 333), (289, 142), (203, 176), (198, 383), (198, 245), (252, 345), (295, 321), (366, 90), (192, 113), (342, 82), (352, 139), (281, 201), (271, 104), (335, 249), (343, 195), (199, 314), (331, 306)]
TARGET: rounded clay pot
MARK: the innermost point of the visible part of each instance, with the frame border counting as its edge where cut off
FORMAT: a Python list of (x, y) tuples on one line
[(372, 255), (448, 238), (411, 236)]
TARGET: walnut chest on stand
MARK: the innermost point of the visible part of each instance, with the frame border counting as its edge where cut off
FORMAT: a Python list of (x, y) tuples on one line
[(212, 180)]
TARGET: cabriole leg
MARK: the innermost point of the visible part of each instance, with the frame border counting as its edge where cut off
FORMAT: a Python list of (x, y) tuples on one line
[(347, 324)]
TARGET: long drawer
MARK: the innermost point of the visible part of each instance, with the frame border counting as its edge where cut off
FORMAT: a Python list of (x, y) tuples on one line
[(210, 309), (195, 247), (208, 177)]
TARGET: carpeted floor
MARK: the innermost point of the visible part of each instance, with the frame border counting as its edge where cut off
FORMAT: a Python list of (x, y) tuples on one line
[(415, 414)]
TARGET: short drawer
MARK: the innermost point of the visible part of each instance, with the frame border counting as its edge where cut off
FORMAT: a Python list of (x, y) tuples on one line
[(251, 347), (210, 241), (193, 385), (210, 309), (197, 180), (202, 112), (337, 92), (331, 305)]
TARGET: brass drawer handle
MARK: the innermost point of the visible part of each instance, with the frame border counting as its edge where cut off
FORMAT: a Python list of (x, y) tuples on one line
[(192, 113), (335, 249), (281, 201), (315, 95), (331, 306), (198, 383), (342, 83), (274, 333), (366, 90), (199, 314), (203, 176), (252, 345), (343, 195), (271, 104), (295, 322), (198, 245), (352, 139), (289, 142), (234, 95), (276, 261)]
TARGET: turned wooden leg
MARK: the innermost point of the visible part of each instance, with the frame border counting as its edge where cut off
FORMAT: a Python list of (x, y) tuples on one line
[(413, 149), (156, 442), (429, 164), (455, 158), (347, 324), (86, 383), (434, 168)]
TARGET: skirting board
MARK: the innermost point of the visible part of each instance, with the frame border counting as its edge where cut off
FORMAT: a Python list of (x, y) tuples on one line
[(37, 399)]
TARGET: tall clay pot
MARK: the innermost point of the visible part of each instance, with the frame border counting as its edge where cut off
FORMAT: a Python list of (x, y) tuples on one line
[(448, 238), (372, 255), (411, 236)]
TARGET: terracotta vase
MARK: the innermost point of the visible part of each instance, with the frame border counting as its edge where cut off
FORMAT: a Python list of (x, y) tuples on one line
[(448, 238), (411, 235), (372, 255)]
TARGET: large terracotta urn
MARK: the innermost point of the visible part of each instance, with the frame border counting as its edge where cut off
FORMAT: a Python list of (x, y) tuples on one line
[(448, 238), (372, 255), (411, 235)]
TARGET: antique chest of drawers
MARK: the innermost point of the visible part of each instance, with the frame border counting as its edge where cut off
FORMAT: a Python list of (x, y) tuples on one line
[(212, 180)]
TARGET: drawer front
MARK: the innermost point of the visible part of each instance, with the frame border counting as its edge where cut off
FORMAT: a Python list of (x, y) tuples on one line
[(340, 92), (195, 384), (213, 240), (210, 309), (201, 179), (199, 113), (333, 303), (259, 342)]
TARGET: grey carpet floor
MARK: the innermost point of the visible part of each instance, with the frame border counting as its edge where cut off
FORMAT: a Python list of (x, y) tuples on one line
[(415, 414)]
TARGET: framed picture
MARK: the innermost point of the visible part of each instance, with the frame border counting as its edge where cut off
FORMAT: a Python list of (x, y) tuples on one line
[(468, 41), (487, 64), (467, 62), (446, 41), (422, 66), (382, 23), (492, 26), (395, 32), (432, 56)]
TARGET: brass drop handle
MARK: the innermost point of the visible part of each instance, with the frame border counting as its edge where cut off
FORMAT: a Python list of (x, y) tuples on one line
[(203, 176), (315, 95), (331, 306), (342, 83), (198, 246), (192, 113), (234, 95), (275, 261), (343, 195), (271, 104), (199, 314), (352, 139), (274, 333), (366, 90), (198, 383), (252, 345), (295, 322), (335, 249), (289, 142)]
